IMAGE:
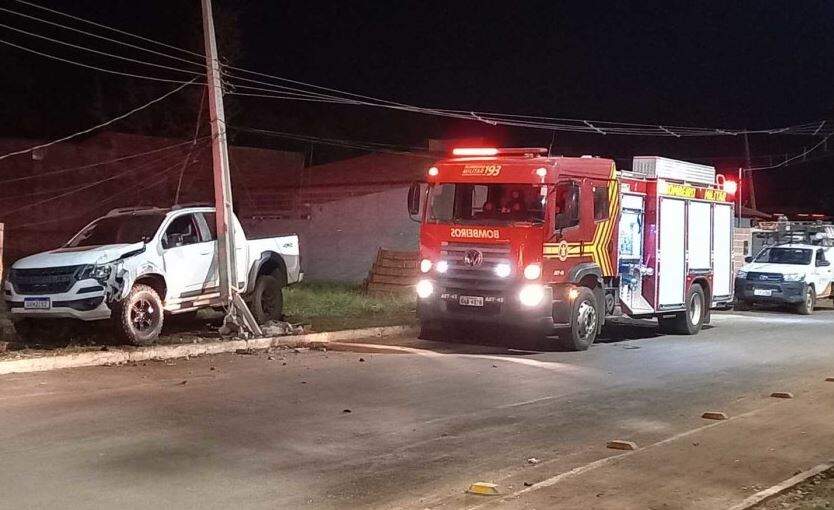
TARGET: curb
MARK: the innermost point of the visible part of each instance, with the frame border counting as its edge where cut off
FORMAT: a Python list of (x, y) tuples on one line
[(159, 352), (781, 487)]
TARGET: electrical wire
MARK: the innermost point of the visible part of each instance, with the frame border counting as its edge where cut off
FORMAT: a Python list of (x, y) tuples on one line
[(106, 123), (793, 158), (99, 25), (88, 66), (98, 163), (104, 53), (97, 36)]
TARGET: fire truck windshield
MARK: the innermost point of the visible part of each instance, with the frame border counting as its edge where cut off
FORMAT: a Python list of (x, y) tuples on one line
[(486, 203)]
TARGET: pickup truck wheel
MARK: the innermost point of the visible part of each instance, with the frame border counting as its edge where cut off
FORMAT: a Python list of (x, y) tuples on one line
[(267, 300), (690, 321), (584, 322), (139, 316), (809, 300)]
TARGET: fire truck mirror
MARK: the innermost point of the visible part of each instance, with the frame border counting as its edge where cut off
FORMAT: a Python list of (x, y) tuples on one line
[(414, 199)]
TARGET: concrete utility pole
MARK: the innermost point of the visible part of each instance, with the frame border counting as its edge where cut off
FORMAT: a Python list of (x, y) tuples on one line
[(238, 312), (752, 193)]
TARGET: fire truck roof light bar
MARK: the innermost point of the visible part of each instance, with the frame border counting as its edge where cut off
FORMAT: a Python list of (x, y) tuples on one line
[(494, 151)]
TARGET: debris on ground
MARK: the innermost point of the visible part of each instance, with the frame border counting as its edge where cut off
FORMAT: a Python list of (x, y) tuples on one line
[(814, 493), (183, 383), (528, 484), (361, 360), (533, 460), (245, 351), (281, 328), (346, 411)]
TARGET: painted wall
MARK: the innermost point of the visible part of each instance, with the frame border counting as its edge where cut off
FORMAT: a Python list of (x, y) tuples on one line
[(340, 240)]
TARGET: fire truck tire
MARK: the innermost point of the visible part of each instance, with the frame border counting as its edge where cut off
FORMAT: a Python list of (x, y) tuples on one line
[(690, 321), (139, 316), (584, 321), (809, 300)]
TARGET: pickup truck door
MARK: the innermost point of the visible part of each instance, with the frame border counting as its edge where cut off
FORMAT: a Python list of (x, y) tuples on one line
[(187, 256), (241, 250), (822, 273)]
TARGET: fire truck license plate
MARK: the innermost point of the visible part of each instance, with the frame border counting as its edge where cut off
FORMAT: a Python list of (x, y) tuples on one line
[(471, 301)]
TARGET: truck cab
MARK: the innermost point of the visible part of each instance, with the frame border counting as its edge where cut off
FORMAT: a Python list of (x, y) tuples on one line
[(792, 274)]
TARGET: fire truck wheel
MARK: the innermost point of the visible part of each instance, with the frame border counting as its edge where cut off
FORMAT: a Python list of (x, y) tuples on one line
[(809, 300), (584, 322), (690, 321)]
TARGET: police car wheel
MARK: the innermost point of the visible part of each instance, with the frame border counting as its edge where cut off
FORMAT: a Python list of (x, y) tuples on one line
[(809, 300), (584, 322)]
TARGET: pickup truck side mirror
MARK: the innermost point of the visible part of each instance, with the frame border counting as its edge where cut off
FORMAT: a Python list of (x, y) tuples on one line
[(748, 259), (414, 200)]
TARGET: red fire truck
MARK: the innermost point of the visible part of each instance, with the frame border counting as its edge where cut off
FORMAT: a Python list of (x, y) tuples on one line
[(554, 245)]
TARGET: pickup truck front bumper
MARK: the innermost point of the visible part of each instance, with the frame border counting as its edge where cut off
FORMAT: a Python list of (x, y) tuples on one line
[(770, 292), (85, 301)]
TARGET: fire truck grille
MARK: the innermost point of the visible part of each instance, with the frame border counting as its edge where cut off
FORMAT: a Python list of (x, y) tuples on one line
[(52, 280), (472, 267)]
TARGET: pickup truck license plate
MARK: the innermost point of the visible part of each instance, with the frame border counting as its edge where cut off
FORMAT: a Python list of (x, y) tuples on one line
[(471, 301), (37, 303), (763, 292)]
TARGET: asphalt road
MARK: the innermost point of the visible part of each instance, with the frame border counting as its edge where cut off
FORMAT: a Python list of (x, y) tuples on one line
[(412, 423)]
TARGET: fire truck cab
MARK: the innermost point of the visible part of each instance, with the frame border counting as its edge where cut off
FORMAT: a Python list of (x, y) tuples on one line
[(557, 244)]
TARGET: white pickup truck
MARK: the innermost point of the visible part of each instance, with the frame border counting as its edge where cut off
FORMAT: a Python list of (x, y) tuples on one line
[(136, 264), (793, 274)]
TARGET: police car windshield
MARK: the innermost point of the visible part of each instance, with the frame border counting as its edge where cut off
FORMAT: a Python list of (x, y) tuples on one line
[(486, 203), (795, 256)]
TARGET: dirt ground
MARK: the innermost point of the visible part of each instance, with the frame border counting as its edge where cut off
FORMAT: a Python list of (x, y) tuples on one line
[(816, 493)]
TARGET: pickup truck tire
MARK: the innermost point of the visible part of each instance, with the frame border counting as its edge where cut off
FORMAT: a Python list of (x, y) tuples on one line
[(267, 299), (690, 321), (139, 316), (809, 300), (584, 321)]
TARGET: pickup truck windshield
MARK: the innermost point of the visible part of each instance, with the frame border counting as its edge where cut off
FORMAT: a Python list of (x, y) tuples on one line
[(486, 203), (122, 229), (795, 256)]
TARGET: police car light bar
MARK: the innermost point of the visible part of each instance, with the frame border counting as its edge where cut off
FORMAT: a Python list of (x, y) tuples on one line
[(493, 151)]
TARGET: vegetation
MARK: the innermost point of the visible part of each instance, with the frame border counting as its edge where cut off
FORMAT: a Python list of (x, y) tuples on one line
[(328, 306)]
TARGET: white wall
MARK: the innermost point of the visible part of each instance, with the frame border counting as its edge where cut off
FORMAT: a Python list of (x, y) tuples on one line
[(340, 240)]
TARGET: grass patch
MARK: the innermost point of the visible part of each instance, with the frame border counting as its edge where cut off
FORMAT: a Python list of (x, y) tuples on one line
[(327, 306)]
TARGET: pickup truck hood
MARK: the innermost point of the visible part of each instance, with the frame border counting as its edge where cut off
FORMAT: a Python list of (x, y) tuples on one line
[(766, 267), (77, 256)]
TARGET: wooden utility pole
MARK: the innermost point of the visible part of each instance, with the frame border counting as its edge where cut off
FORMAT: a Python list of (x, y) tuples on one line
[(752, 193), (238, 313)]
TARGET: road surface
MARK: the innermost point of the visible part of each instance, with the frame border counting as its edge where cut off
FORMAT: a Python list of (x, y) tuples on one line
[(412, 423)]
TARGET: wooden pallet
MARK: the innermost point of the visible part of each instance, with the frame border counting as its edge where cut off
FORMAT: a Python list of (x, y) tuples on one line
[(393, 272)]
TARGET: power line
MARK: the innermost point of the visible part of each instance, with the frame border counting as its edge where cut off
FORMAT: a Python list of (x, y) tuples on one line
[(88, 66), (97, 36), (99, 25), (106, 123), (111, 55), (98, 163), (83, 188), (793, 158)]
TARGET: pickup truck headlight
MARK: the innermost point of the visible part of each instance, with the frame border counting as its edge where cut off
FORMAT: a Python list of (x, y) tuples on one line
[(741, 274), (99, 272), (793, 277)]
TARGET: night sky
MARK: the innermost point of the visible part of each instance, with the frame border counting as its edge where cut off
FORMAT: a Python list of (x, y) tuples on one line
[(755, 64)]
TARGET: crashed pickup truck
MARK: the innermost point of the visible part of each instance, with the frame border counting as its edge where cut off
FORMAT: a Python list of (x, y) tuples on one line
[(135, 265)]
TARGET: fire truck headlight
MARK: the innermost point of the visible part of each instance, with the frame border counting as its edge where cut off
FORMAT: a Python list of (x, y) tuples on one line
[(533, 271), (531, 294), (425, 288), (503, 270), (442, 266), (425, 266)]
